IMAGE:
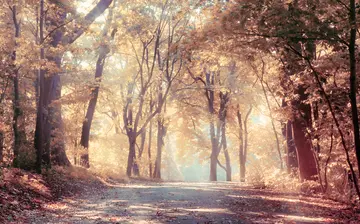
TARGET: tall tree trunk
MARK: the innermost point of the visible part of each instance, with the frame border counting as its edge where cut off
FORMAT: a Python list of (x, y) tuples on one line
[(150, 139), (16, 101), (246, 135), (149, 150), (353, 82), (226, 153), (243, 141), (53, 125), (301, 114), (306, 160), (213, 134), (160, 146), (85, 133), (161, 132), (130, 130), (100, 63), (241, 146), (224, 99), (39, 133), (1, 147)]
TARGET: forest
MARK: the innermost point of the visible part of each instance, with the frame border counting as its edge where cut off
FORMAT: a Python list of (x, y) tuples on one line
[(253, 103)]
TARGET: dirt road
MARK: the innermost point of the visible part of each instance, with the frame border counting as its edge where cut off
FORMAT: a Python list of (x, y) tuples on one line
[(188, 203)]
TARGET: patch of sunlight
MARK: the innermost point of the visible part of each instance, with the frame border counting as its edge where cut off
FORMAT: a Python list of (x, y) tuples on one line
[(291, 200), (297, 200), (84, 6), (210, 210), (305, 219), (261, 119), (56, 206), (117, 201), (198, 189), (144, 207)]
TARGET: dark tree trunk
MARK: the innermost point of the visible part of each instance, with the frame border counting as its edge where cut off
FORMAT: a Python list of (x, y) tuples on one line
[(130, 131), (18, 123), (243, 141), (353, 82), (52, 86), (39, 133), (16, 117), (224, 99), (213, 134), (306, 160), (161, 132), (85, 133), (52, 123), (1, 147), (302, 114)]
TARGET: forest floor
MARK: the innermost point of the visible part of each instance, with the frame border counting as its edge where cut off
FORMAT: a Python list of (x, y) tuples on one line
[(150, 202)]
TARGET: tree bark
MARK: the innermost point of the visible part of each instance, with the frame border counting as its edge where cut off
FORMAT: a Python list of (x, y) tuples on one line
[(224, 99), (1, 147), (306, 160), (18, 134), (54, 144), (85, 133), (150, 139), (160, 145), (161, 132), (241, 146), (213, 134), (131, 156), (100, 63), (226, 153), (353, 82), (246, 134), (53, 125), (39, 133)]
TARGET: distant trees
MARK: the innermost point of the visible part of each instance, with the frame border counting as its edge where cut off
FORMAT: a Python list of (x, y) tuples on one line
[(158, 63)]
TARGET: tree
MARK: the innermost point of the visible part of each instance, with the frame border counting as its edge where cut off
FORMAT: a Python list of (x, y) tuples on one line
[(243, 143), (52, 86), (100, 63)]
